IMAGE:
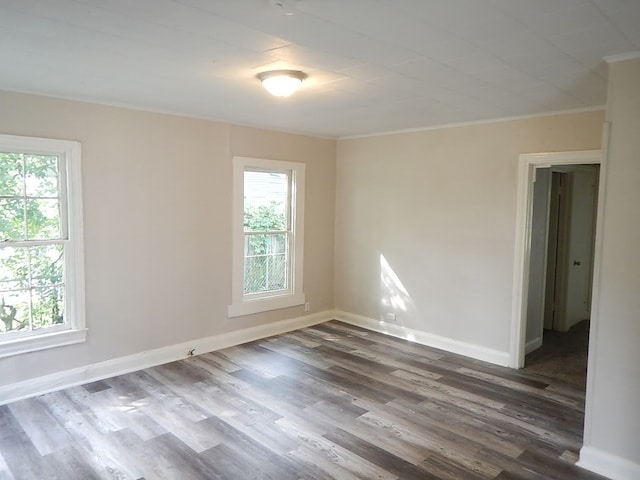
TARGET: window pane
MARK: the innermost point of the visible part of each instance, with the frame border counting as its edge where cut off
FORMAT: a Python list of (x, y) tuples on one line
[(265, 201), (31, 277), (11, 176), (14, 311), (43, 219), (47, 264), (14, 268), (47, 306), (12, 225), (265, 263), (41, 173)]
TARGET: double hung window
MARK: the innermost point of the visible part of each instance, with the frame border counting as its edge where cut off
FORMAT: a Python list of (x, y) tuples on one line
[(268, 235), (41, 267)]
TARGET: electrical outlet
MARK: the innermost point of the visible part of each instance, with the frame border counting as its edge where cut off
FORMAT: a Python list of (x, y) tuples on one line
[(307, 307), (391, 317)]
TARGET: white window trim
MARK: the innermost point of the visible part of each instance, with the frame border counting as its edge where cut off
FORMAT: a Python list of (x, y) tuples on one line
[(244, 304), (75, 329)]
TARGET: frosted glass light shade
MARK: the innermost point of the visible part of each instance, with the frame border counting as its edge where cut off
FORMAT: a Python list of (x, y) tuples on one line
[(281, 83)]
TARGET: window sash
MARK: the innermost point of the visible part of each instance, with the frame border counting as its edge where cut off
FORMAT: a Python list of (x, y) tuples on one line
[(32, 286), (25, 196), (287, 232), (286, 271)]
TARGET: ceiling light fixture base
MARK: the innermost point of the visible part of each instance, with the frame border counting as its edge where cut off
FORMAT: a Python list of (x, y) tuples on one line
[(281, 83), (286, 7)]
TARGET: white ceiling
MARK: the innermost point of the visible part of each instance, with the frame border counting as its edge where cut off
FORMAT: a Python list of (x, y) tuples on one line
[(373, 65)]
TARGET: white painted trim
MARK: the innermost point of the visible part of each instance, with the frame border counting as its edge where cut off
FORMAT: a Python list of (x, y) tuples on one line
[(424, 338), (575, 157), (165, 111), (621, 57), (609, 465), (595, 108), (45, 341), (158, 356), (303, 133), (524, 207), (532, 345), (74, 262), (265, 304)]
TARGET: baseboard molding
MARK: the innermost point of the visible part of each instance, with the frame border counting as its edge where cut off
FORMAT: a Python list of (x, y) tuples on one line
[(532, 345), (611, 466), (436, 341), (130, 363)]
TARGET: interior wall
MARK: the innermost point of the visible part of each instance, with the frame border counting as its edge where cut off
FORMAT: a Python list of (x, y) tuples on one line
[(538, 259), (425, 222), (584, 184), (612, 425), (157, 219)]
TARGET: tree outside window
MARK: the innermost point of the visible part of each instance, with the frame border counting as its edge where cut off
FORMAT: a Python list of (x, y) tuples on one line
[(31, 242)]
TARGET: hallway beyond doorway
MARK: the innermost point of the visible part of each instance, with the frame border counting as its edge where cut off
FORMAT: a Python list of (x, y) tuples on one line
[(563, 355)]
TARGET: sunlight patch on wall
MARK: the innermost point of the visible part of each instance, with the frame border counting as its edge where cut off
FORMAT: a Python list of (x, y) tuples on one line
[(394, 294), (395, 301)]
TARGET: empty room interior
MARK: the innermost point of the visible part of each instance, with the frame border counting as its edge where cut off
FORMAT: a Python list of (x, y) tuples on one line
[(317, 239)]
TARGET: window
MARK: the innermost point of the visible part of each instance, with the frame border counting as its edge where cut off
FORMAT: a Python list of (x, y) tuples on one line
[(41, 263), (268, 216)]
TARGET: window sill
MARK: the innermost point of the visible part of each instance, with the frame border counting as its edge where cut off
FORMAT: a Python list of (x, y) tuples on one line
[(265, 304), (42, 342)]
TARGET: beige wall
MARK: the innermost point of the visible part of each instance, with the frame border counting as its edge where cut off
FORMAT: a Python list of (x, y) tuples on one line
[(425, 223), (612, 418), (157, 215)]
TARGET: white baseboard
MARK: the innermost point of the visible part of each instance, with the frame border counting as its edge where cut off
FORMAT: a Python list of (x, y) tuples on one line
[(611, 466), (532, 345), (436, 341), (138, 361)]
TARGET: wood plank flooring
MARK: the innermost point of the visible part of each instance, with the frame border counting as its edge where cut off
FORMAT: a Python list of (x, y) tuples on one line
[(563, 355), (326, 402)]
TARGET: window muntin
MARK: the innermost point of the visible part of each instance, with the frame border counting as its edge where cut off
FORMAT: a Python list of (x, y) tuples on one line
[(41, 265), (268, 235)]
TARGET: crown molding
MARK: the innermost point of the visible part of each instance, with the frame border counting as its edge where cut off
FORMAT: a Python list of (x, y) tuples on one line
[(621, 57)]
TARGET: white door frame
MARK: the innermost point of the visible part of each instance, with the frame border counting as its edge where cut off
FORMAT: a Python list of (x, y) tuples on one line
[(526, 176)]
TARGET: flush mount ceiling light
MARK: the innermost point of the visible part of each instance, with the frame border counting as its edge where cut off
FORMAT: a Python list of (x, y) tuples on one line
[(281, 83)]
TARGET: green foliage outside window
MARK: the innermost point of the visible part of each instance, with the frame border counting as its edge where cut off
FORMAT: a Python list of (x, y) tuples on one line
[(265, 253), (31, 244)]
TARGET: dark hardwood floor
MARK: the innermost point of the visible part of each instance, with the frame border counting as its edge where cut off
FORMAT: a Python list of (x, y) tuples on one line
[(331, 401), (563, 355)]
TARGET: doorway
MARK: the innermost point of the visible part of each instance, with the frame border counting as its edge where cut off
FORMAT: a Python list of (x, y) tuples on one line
[(561, 271), (532, 232)]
